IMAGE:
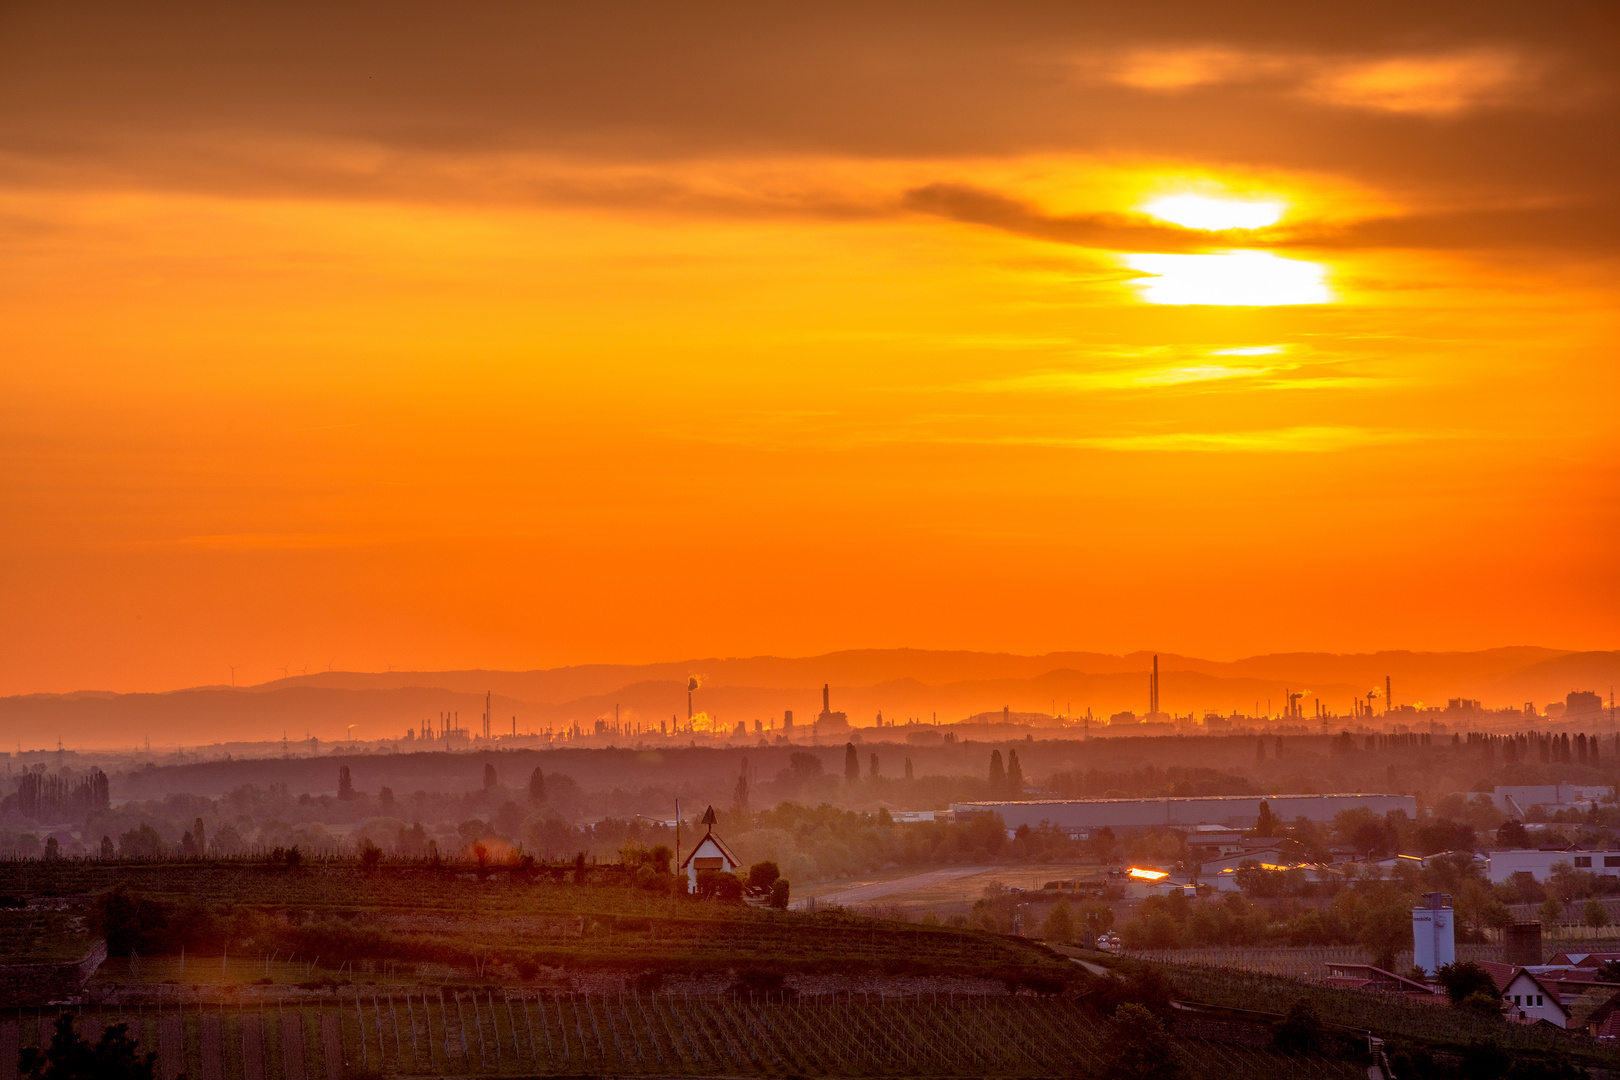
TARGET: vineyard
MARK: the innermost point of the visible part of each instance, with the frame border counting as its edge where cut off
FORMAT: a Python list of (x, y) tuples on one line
[(484, 1032), (445, 924)]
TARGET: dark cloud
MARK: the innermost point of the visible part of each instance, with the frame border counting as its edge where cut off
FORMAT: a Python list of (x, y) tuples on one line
[(962, 202), (1589, 227), (225, 99)]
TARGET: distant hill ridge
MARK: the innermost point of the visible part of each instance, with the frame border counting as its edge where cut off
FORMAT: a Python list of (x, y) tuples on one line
[(901, 683)]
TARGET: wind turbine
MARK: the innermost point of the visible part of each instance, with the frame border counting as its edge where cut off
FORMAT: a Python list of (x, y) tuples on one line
[(233, 668)]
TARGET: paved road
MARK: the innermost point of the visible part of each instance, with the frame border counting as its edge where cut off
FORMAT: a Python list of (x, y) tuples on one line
[(863, 894)]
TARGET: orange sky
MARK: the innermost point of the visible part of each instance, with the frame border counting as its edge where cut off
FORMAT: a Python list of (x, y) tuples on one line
[(514, 337)]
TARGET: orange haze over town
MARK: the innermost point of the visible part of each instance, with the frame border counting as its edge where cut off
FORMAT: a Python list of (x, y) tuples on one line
[(415, 337)]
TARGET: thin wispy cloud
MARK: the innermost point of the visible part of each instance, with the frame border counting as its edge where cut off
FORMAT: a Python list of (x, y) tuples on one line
[(1291, 440), (1431, 84)]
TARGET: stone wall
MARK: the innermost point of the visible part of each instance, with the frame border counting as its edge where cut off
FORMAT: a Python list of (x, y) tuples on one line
[(49, 983)]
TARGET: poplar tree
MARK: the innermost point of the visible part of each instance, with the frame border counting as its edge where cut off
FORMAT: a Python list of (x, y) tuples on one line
[(998, 775), (537, 786), (852, 763), (1015, 775)]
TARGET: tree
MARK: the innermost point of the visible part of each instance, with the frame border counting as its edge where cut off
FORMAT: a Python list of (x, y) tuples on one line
[(1365, 831), (884, 818), (908, 768), (1463, 979), (1595, 914), (202, 838), (1265, 824), (1138, 1047), (998, 774), (872, 770), (1102, 845), (1301, 1031), (1260, 749), (779, 893), (762, 875), (70, 1057), (107, 849), (1097, 916), (1551, 912), (345, 783), (141, 843), (370, 855), (53, 848), (385, 797), (1386, 928), (1512, 833), (537, 786), (804, 767), (1015, 775), (852, 763), (489, 775), (1059, 924)]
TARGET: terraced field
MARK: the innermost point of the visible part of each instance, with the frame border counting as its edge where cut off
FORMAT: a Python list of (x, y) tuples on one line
[(495, 1032)]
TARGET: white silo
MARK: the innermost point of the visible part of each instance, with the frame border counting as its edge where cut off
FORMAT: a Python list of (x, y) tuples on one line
[(1434, 933)]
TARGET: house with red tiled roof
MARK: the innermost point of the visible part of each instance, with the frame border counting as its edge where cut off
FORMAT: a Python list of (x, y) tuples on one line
[(1604, 1021), (1531, 997)]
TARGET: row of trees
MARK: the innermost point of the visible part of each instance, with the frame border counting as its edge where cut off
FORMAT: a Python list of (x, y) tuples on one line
[(56, 798)]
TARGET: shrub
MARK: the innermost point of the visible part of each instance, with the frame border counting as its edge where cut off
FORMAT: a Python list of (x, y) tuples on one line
[(1301, 1031), (1138, 1047), (762, 875), (71, 1057), (1464, 979)]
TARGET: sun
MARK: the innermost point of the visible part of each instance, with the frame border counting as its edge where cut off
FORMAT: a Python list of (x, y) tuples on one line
[(1231, 278), (1214, 213)]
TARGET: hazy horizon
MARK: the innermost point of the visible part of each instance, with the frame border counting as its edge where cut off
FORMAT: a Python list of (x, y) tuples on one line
[(899, 684)]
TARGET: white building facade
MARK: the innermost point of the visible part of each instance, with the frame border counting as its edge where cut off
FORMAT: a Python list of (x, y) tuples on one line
[(1538, 863)]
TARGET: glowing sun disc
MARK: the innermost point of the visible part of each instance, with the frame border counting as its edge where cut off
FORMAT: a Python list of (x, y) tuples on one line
[(1208, 212), (1230, 278)]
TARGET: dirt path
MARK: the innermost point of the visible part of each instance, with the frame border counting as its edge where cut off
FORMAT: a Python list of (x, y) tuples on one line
[(863, 894)]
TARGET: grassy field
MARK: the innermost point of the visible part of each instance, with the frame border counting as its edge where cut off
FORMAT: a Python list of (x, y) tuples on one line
[(955, 895)]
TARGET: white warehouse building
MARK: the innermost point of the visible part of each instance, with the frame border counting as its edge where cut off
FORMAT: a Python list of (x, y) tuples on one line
[(1539, 863), (1082, 817)]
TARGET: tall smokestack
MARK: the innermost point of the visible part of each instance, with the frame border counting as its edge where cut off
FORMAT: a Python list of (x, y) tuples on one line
[(1154, 691), (1389, 702), (826, 705)]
